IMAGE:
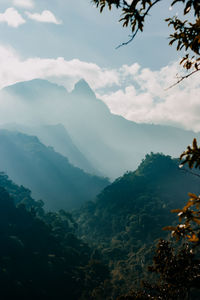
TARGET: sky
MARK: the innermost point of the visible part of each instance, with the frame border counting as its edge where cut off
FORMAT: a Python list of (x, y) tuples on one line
[(64, 41)]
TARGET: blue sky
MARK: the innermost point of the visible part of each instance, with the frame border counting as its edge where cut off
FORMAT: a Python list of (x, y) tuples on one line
[(87, 35), (66, 42)]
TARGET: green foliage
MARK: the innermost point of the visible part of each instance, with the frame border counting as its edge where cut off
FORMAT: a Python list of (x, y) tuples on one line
[(177, 262), (40, 255), (191, 156), (126, 220)]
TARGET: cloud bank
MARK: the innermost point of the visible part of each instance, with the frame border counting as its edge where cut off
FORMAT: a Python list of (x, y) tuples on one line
[(136, 93), (12, 18), (14, 69), (24, 3), (147, 100), (45, 17)]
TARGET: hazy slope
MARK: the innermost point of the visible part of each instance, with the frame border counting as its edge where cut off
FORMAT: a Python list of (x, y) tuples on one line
[(116, 144), (47, 173), (56, 136), (109, 142)]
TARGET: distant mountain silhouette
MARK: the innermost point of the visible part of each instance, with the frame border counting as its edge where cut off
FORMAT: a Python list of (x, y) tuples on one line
[(48, 174), (35, 88), (109, 142), (82, 88)]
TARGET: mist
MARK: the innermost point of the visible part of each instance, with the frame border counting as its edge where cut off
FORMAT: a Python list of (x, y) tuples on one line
[(108, 144)]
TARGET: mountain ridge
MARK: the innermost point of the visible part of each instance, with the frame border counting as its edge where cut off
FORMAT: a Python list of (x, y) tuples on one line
[(48, 174), (133, 210), (109, 142)]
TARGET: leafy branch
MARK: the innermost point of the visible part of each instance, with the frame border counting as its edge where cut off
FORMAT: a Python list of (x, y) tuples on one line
[(186, 34)]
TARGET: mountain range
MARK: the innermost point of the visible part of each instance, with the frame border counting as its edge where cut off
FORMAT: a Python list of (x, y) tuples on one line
[(106, 144)]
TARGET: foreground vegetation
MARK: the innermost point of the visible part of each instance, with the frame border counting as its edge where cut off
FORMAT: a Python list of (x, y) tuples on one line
[(125, 223), (40, 256), (106, 251)]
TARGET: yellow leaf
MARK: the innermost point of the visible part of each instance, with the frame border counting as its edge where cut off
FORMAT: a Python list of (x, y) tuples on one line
[(169, 228), (190, 203), (193, 196), (193, 238), (176, 210), (196, 220), (195, 144)]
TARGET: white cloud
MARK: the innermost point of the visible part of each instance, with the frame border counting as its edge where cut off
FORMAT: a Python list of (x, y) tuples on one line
[(14, 69), (152, 103), (12, 18), (139, 93), (46, 17), (129, 1), (24, 3), (130, 70)]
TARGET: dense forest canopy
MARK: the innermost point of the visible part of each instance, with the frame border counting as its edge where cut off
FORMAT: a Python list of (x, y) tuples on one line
[(133, 211), (40, 255), (121, 226)]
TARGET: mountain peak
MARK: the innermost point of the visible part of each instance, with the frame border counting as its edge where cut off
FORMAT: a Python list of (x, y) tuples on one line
[(34, 87), (82, 88)]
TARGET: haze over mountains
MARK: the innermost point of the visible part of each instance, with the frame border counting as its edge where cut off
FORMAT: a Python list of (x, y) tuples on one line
[(56, 136), (106, 144), (48, 174), (59, 145)]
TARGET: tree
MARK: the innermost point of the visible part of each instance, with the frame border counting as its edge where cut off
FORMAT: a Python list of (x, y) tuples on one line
[(186, 32)]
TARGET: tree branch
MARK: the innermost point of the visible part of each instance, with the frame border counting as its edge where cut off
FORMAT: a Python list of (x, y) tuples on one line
[(135, 33), (129, 41), (190, 172), (181, 79)]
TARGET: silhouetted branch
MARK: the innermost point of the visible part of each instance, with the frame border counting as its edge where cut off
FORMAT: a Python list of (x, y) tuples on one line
[(181, 79), (190, 172), (135, 33)]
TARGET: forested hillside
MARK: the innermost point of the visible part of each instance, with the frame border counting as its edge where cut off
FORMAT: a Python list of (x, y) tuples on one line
[(117, 235), (56, 136), (48, 174), (128, 216), (40, 256)]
